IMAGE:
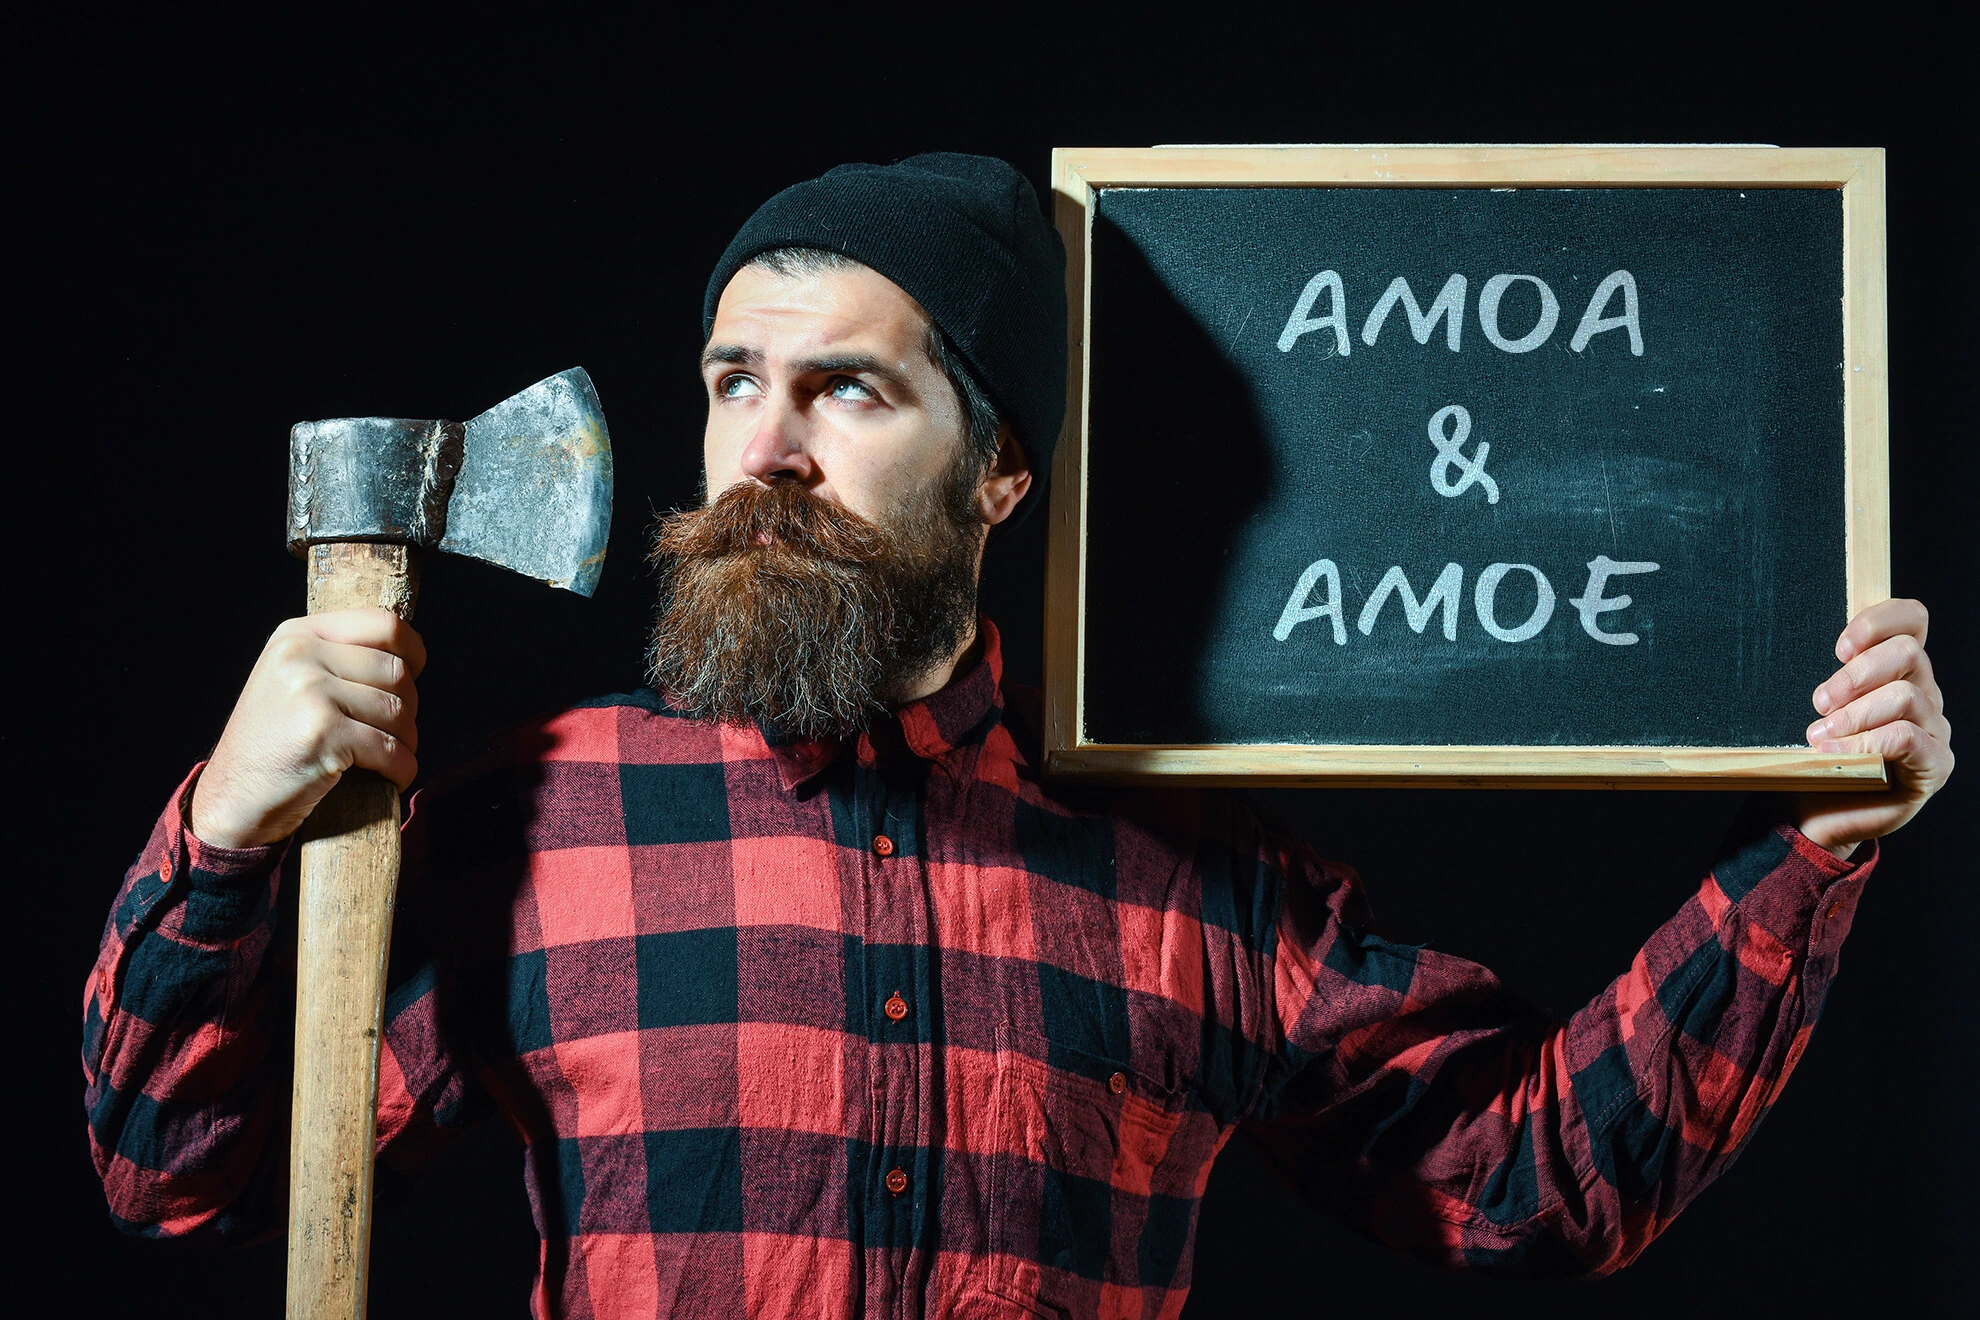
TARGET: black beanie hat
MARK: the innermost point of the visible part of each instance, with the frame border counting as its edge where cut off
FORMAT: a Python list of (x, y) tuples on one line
[(964, 237)]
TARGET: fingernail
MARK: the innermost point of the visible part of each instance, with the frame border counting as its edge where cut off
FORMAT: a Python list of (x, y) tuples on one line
[(1822, 701), (1830, 746), (1818, 730), (1845, 649)]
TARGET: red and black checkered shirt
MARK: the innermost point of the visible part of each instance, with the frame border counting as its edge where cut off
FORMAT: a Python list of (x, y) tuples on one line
[(893, 1029)]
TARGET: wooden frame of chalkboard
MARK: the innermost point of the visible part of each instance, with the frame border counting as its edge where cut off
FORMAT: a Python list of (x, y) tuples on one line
[(1079, 176)]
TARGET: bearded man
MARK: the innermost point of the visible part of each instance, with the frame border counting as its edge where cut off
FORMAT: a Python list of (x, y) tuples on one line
[(809, 998)]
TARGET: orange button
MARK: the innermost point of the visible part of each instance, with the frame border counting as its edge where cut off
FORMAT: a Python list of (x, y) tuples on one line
[(897, 1008), (896, 1181), (1117, 1083), (165, 870), (883, 845)]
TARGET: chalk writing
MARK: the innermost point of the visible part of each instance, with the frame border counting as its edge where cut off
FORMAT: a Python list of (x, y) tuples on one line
[(1450, 453), (1592, 604), (1485, 595), (1297, 611), (1488, 313), (1594, 323), (1450, 431), (1299, 323), (1448, 307), (1444, 594), (1448, 304)]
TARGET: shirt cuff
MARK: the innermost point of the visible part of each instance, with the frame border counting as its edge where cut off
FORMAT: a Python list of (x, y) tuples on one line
[(227, 890), (1798, 891), (1837, 897)]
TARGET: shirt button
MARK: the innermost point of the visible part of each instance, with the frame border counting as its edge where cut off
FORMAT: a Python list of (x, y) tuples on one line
[(883, 845), (896, 1181), (897, 1008), (1117, 1083)]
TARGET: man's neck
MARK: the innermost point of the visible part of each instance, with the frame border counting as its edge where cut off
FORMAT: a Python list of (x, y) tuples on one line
[(940, 674)]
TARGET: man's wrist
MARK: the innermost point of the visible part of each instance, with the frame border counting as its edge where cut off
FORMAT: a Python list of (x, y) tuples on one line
[(215, 832), (201, 825), (1812, 831)]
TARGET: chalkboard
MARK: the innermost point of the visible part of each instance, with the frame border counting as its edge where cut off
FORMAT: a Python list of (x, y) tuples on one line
[(1528, 481)]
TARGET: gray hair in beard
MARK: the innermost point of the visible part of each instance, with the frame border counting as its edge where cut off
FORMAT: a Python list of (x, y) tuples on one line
[(780, 609)]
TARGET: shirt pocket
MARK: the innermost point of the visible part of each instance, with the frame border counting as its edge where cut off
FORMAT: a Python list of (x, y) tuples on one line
[(1095, 1186)]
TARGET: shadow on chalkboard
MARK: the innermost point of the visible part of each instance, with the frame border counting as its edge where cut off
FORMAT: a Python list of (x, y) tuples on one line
[(1177, 463)]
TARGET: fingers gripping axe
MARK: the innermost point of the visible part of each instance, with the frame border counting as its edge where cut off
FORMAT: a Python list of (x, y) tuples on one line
[(526, 485)]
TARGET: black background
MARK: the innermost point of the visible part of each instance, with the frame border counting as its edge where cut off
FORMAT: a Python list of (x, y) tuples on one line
[(1716, 455), (226, 228)]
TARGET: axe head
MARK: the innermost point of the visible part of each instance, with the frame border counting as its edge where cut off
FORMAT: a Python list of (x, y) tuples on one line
[(535, 489), (526, 485)]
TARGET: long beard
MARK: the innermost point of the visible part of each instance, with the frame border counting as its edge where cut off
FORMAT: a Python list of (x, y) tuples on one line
[(781, 609)]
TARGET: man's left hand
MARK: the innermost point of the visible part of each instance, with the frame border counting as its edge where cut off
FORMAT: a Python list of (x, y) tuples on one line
[(1883, 700)]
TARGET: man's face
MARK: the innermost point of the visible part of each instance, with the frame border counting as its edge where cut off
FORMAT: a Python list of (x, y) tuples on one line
[(832, 569), (823, 379)]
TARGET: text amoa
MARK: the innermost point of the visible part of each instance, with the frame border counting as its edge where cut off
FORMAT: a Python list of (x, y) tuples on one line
[(1448, 306)]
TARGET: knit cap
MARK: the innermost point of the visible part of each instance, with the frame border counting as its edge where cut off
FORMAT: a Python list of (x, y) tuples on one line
[(964, 237)]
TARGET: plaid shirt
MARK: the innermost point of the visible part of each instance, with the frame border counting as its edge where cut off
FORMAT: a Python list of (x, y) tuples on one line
[(893, 1029)]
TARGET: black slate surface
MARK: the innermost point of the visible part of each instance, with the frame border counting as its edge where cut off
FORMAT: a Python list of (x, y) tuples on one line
[(1221, 466)]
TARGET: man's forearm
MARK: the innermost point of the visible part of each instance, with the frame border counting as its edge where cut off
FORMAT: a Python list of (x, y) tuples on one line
[(179, 1063), (1461, 1128)]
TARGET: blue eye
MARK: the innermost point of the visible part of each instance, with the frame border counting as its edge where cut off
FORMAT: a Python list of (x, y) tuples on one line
[(737, 387), (859, 393)]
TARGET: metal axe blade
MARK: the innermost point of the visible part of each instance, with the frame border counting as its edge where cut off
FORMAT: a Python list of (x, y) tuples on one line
[(534, 492)]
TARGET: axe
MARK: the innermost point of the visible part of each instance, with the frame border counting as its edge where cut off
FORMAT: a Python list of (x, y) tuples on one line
[(526, 485)]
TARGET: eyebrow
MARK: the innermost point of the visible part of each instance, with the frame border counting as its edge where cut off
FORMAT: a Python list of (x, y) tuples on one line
[(831, 364), (736, 353)]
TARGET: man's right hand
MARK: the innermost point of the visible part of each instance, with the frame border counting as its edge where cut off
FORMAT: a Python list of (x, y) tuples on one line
[(329, 692)]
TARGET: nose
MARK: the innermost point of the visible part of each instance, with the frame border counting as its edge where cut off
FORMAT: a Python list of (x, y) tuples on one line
[(776, 449)]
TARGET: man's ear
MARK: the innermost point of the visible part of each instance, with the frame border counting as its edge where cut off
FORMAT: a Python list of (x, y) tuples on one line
[(1005, 484)]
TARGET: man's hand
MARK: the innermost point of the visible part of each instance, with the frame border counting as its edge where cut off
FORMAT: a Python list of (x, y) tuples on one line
[(329, 692), (1882, 700)]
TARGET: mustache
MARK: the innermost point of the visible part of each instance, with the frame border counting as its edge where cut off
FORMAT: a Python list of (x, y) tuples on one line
[(770, 522)]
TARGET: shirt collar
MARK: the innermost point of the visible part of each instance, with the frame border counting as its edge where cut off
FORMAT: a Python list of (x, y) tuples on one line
[(930, 728)]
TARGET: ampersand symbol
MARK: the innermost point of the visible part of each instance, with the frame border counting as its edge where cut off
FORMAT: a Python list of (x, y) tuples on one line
[(1450, 451)]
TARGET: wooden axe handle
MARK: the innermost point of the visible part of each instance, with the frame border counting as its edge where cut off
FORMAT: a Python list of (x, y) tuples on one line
[(350, 870)]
